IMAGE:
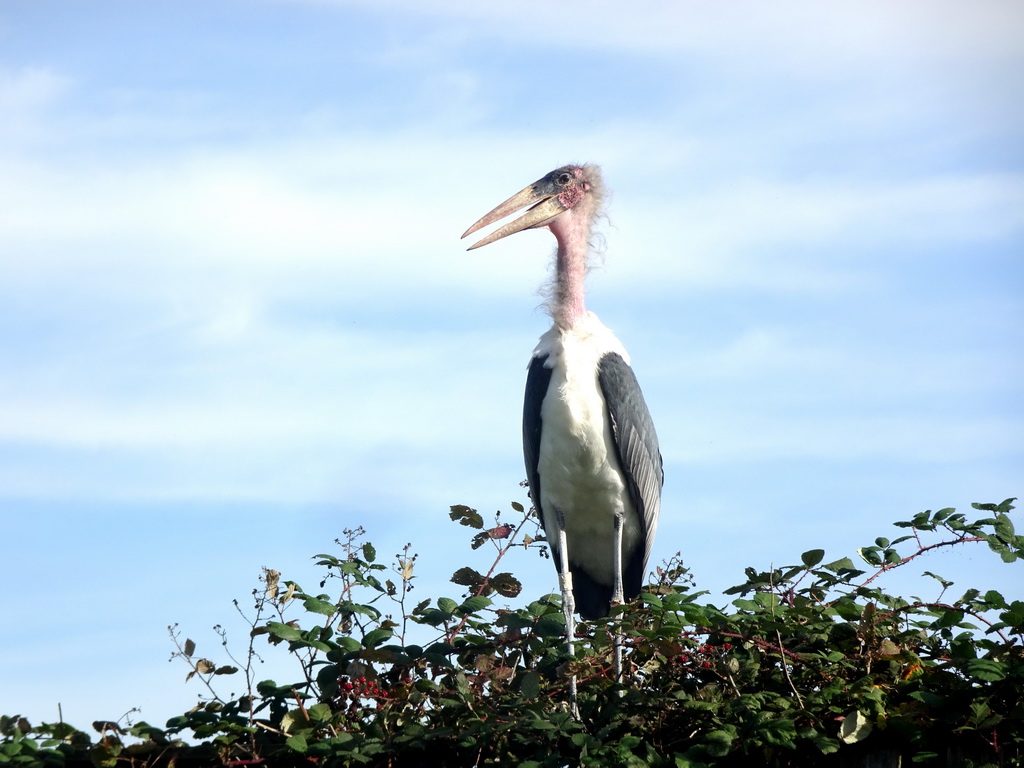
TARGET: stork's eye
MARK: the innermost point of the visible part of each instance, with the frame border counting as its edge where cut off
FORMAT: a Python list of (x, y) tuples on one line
[(563, 179)]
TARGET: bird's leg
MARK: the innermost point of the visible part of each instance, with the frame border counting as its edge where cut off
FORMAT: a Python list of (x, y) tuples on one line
[(568, 604), (618, 597)]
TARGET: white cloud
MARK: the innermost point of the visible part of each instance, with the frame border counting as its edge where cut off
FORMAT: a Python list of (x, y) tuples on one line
[(831, 231), (26, 97), (199, 255), (29, 89), (794, 32)]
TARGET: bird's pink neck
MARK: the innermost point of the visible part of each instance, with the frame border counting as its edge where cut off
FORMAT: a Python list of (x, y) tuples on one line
[(572, 231)]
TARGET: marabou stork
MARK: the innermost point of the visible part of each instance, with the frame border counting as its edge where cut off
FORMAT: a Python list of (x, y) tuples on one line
[(592, 457)]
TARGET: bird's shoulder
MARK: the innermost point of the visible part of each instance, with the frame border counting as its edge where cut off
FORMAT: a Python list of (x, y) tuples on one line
[(585, 343)]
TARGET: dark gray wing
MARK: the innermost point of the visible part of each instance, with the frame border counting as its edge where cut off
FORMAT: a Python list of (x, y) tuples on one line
[(537, 381), (639, 456)]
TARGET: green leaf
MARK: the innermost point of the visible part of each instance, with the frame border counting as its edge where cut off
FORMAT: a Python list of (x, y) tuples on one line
[(995, 599), (652, 600), (446, 604), (467, 577), (718, 743), (433, 617), (297, 743), (1006, 555), (552, 625), (746, 605), (506, 585), (825, 744), (269, 689), (779, 731), (837, 566), (1004, 528), (466, 516), (987, 670), (369, 553), (375, 637), (946, 584), (855, 727), (929, 699), (529, 686), (968, 597), (948, 618), (348, 606), (316, 605), (348, 644), (870, 555), (474, 604), (812, 557), (319, 713), (1015, 616), (283, 631)]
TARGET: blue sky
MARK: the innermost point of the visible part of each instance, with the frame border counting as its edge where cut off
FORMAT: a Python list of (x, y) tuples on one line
[(236, 316)]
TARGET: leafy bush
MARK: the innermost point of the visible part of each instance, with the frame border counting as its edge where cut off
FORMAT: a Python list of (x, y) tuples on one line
[(810, 664)]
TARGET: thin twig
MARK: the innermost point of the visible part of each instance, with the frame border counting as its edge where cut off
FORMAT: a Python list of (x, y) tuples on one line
[(785, 669), (452, 633), (920, 551), (945, 606)]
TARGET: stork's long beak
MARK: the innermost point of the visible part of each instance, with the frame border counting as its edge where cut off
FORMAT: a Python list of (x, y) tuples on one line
[(541, 196)]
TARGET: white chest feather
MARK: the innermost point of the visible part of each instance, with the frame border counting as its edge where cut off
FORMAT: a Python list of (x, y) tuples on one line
[(578, 466)]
